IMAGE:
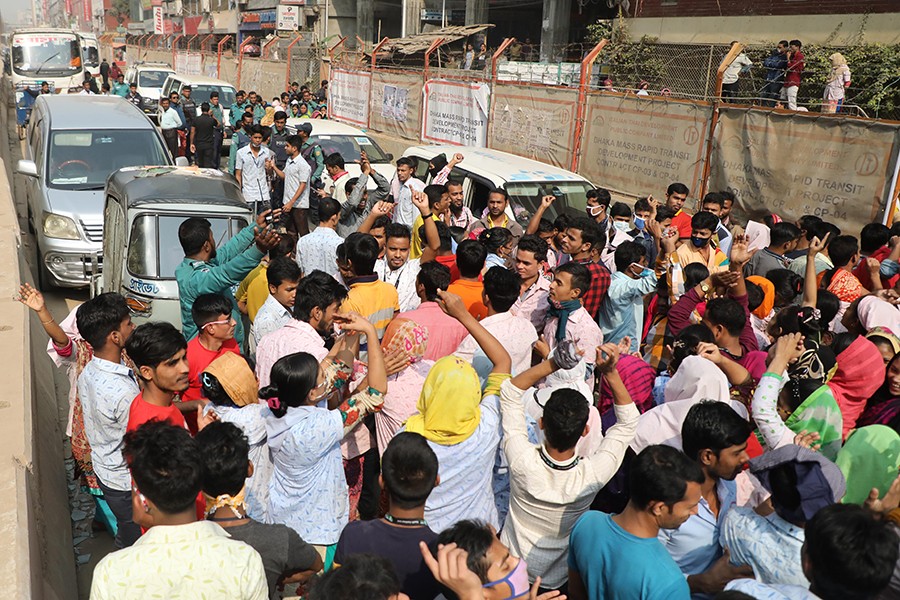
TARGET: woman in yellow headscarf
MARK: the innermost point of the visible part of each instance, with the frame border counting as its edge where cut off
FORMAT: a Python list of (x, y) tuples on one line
[(838, 81), (462, 426)]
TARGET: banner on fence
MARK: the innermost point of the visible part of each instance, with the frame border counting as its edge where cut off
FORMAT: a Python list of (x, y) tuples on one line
[(396, 104), (535, 122), (455, 112), (640, 145), (348, 96), (189, 63), (798, 164)]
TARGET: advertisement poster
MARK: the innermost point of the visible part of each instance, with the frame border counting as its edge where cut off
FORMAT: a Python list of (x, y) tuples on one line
[(395, 103)]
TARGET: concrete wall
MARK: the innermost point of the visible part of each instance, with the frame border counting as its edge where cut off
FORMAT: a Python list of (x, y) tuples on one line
[(836, 30), (716, 8), (35, 525)]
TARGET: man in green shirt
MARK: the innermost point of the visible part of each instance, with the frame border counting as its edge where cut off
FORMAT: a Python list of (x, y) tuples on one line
[(237, 109), (119, 87)]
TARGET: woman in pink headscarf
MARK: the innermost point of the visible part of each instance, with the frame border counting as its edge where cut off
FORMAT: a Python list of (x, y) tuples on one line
[(409, 339)]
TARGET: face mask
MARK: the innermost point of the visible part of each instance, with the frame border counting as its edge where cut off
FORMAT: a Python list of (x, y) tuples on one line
[(517, 579), (622, 225), (595, 210), (640, 270), (699, 242), (639, 223)]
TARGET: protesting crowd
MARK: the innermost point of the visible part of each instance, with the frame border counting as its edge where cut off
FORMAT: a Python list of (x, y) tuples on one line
[(375, 393)]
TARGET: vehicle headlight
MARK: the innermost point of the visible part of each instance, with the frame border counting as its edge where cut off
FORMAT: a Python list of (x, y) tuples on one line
[(58, 226)]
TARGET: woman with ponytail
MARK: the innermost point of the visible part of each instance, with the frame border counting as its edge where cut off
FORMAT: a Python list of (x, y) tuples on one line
[(305, 421)]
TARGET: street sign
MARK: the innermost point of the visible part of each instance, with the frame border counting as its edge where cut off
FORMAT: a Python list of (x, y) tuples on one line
[(288, 17)]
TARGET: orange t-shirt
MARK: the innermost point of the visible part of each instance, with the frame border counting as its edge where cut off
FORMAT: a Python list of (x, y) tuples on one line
[(470, 292)]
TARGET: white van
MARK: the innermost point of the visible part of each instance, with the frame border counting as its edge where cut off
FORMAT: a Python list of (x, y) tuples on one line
[(525, 180), (201, 88), (149, 77)]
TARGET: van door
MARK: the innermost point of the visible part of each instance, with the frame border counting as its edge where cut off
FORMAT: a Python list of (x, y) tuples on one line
[(113, 245), (475, 190)]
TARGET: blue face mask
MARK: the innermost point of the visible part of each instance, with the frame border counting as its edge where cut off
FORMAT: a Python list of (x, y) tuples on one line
[(699, 242), (639, 223)]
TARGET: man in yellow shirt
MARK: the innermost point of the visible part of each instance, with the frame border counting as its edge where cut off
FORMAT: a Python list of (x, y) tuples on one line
[(439, 203)]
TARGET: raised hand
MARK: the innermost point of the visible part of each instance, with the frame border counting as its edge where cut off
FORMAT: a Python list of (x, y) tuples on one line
[(383, 208), (547, 201), (266, 238), (740, 253), (353, 322), (450, 569), (710, 352), (816, 245), (607, 357), (789, 347), (420, 200), (873, 265), (31, 298), (890, 501), (457, 158), (542, 347)]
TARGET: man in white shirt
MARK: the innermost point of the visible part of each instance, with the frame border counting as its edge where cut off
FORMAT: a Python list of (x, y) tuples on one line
[(169, 123), (402, 188), (251, 166), (318, 250), (532, 303), (106, 393), (501, 289), (166, 465), (397, 268), (296, 180), (730, 79), (551, 487), (282, 275), (334, 165)]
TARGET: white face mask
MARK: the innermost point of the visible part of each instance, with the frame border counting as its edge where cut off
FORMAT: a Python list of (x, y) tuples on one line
[(595, 210), (622, 225)]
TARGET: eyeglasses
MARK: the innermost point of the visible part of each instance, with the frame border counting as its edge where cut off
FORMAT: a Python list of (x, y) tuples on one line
[(227, 321)]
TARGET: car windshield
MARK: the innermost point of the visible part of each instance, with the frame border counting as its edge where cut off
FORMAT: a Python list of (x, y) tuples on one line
[(349, 146), (51, 55), (526, 197), (200, 94), (154, 250), (91, 56), (82, 160), (152, 79)]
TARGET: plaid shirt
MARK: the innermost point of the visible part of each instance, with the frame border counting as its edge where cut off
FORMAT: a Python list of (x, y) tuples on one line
[(600, 280)]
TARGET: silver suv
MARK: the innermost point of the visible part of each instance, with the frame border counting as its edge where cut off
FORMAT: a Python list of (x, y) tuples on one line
[(73, 144), (149, 77)]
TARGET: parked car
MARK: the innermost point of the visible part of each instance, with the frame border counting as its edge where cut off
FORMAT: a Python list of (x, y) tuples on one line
[(525, 180), (149, 77), (348, 141), (201, 88), (73, 143), (144, 208)]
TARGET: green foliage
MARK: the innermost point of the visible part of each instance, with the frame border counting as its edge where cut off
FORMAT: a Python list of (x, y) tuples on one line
[(627, 62)]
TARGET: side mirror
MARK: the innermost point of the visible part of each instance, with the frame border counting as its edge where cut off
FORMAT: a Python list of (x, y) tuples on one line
[(27, 168), (390, 157), (182, 162)]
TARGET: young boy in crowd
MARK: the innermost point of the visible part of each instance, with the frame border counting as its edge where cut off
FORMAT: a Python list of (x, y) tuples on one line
[(106, 388), (470, 257), (282, 276), (409, 471), (287, 559)]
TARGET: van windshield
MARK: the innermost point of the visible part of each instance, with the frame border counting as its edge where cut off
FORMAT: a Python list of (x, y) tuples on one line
[(154, 250), (152, 79), (571, 197), (200, 94), (82, 160), (348, 146)]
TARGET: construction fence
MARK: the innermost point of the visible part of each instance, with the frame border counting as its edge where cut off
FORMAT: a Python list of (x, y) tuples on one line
[(774, 160), (280, 61)]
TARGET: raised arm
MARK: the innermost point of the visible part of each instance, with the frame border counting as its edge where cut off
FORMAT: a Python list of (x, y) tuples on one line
[(765, 399), (535, 221), (810, 283), (381, 208), (493, 349), (354, 323), (737, 375), (432, 239), (34, 300)]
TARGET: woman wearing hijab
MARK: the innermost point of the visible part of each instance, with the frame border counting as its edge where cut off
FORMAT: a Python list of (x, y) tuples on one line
[(405, 386), (462, 426), (860, 372), (764, 311), (295, 109), (231, 387), (883, 408), (838, 81), (870, 459), (873, 311), (887, 343), (783, 408)]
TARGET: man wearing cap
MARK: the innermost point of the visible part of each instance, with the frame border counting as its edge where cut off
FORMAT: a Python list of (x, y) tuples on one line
[(133, 95), (715, 437), (801, 482), (189, 108)]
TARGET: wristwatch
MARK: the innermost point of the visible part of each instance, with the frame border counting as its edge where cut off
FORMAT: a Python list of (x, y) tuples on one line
[(704, 287)]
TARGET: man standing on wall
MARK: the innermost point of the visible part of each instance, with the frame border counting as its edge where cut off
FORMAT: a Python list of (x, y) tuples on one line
[(775, 65), (795, 65)]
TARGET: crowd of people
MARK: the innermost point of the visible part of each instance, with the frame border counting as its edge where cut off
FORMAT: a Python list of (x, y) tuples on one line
[(384, 395)]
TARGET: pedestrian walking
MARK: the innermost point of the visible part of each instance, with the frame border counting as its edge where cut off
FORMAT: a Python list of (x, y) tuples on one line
[(251, 167), (203, 142), (169, 123), (104, 71)]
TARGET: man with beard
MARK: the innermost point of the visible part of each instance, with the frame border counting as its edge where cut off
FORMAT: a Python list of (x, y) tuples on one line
[(204, 270), (498, 201), (460, 215), (317, 299)]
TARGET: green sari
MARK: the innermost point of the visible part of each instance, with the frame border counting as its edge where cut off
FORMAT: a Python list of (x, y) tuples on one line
[(821, 414), (869, 459)]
